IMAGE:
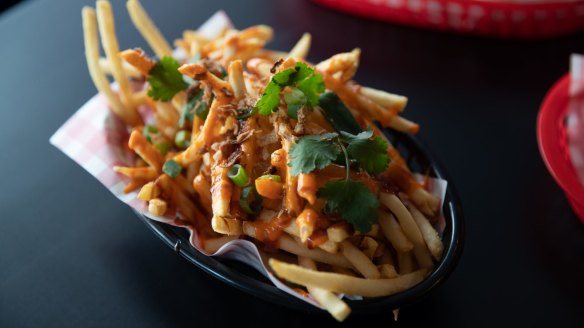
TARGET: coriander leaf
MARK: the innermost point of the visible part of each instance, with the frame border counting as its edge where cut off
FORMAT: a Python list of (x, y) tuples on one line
[(312, 87), (165, 80), (313, 152), (295, 99), (302, 71), (269, 101), (338, 114), (283, 78), (352, 201), (371, 154), (171, 168)]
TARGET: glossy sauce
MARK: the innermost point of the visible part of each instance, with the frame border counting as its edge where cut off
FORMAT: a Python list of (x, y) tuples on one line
[(302, 292), (270, 231), (400, 177), (318, 238)]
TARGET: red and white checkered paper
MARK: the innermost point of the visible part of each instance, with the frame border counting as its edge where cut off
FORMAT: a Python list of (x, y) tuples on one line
[(96, 139), (575, 115)]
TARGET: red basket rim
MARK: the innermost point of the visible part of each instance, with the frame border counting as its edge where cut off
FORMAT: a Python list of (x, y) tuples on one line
[(549, 125)]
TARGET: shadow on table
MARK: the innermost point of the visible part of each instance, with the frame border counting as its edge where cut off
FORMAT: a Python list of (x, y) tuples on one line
[(5, 4)]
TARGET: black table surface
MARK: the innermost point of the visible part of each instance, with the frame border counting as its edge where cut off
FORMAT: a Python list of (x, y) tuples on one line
[(72, 255)]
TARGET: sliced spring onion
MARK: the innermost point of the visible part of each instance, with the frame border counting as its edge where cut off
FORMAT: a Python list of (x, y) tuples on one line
[(182, 139), (272, 177), (238, 175), (148, 130), (255, 206), (162, 148), (171, 168)]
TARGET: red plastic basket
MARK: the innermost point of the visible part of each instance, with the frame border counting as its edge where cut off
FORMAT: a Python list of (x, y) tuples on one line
[(552, 139), (505, 19)]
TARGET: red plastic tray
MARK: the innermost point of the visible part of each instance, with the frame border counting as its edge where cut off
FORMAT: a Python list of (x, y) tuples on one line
[(552, 139), (505, 19)]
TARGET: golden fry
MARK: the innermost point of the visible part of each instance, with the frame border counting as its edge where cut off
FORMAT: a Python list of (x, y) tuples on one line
[(147, 28), (339, 283), (90, 36)]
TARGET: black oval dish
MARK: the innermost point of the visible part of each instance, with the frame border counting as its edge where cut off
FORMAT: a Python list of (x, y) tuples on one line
[(247, 279)]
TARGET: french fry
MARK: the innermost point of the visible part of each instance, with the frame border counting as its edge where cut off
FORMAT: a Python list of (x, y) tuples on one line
[(292, 200), (221, 88), (337, 232), (329, 246), (185, 185), (144, 149), (339, 283), (387, 271), (105, 19), (410, 228), (302, 47), (403, 125), (149, 191), (393, 232), (342, 66), (138, 61), (430, 235), (249, 148), (405, 262), (140, 97), (344, 271), (336, 307), (203, 189), (261, 32), (181, 201), (306, 223), (143, 173), (359, 260), (157, 207), (307, 187), (271, 55), (425, 201), (269, 189), (288, 244), (129, 70), (235, 74), (133, 185), (369, 246), (385, 99), (147, 28), (195, 36), (90, 36), (385, 258), (221, 190), (259, 66), (227, 226)]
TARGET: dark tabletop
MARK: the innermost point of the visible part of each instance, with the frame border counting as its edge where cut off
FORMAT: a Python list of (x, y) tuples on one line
[(72, 255)]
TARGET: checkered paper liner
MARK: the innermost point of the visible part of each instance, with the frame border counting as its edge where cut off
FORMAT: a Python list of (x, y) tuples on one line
[(575, 115), (96, 139)]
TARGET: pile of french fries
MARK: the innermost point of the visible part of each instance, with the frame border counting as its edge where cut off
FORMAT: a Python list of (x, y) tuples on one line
[(399, 251)]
